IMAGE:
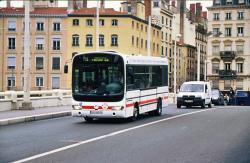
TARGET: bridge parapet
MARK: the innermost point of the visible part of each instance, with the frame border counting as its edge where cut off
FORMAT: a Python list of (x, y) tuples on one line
[(12, 100)]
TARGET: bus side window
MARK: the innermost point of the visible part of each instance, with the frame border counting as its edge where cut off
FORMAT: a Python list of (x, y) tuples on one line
[(130, 77)]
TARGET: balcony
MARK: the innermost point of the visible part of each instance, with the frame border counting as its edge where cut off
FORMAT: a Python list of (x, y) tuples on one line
[(227, 74), (227, 55)]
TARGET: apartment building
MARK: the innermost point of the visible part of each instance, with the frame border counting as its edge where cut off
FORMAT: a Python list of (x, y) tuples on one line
[(229, 46), (118, 31), (47, 49)]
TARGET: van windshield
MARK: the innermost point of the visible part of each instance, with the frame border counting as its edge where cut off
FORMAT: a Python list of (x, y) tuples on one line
[(192, 88)]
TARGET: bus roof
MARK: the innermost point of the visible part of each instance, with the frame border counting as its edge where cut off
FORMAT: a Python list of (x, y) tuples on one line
[(133, 59)]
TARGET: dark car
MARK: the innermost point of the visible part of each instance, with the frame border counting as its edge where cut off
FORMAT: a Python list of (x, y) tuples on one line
[(217, 97)]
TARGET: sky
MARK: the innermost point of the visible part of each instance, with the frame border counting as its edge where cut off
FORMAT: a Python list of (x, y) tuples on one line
[(109, 3)]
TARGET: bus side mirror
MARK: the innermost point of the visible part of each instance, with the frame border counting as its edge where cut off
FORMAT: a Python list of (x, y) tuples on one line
[(66, 69)]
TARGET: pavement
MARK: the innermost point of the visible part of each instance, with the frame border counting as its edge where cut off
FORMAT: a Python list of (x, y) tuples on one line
[(21, 116)]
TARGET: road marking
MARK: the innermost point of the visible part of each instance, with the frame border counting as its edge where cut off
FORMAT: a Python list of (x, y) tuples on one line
[(106, 136)]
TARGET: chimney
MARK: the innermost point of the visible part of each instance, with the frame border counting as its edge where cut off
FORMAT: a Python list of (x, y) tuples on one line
[(8, 3), (204, 14), (173, 3), (147, 8), (85, 4), (192, 8), (102, 6)]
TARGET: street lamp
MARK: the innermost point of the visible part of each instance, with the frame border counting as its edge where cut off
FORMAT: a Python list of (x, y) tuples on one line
[(177, 36)]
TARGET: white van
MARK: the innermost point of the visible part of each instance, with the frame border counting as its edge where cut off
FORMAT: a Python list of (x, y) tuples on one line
[(195, 93)]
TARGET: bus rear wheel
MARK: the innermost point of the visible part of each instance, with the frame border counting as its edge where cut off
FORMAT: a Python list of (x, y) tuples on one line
[(88, 119), (158, 110)]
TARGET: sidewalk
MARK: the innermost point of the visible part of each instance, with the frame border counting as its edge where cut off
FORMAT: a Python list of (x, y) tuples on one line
[(20, 116)]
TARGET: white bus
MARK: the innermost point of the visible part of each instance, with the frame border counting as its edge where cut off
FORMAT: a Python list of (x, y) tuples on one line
[(107, 84)]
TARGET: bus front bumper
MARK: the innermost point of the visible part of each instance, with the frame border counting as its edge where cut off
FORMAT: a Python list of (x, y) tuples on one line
[(99, 113)]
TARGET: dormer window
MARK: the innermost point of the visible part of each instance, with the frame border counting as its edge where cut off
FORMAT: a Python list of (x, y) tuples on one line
[(229, 2)]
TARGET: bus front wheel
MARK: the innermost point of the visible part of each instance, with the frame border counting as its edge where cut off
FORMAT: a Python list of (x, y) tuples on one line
[(135, 114)]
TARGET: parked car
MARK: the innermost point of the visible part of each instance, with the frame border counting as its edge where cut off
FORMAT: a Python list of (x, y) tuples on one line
[(217, 97), (242, 98)]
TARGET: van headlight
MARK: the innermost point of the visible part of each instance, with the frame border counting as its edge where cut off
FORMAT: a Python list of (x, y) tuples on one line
[(117, 108)]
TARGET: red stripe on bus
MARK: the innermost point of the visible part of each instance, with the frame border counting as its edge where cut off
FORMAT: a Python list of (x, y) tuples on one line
[(127, 105), (92, 107)]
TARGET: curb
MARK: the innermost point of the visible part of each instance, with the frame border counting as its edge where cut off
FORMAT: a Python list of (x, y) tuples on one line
[(32, 118)]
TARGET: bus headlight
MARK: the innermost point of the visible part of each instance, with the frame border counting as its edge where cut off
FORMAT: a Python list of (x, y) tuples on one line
[(76, 107), (117, 108)]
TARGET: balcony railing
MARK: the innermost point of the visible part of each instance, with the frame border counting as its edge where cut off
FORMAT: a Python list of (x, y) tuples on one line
[(227, 55), (227, 74)]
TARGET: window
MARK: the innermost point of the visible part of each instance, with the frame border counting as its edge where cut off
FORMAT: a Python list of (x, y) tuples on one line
[(141, 43), (227, 32), (216, 31), (166, 22), (240, 31), (170, 23), (215, 67), (162, 20), (239, 67), (89, 22), (11, 82), (56, 43), (11, 25), (89, 40), (39, 63), (229, 2), (227, 66), (75, 40), (56, 26), (11, 62), (156, 4), (227, 84), (39, 43), (137, 42), (114, 22), (240, 49), (11, 43), (216, 49), (114, 40), (228, 16), (56, 63), (133, 40), (133, 24), (39, 81), (240, 15), (146, 77), (241, 1), (239, 84), (22, 63), (228, 47), (166, 37), (216, 16), (217, 2), (40, 26), (101, 22), (55, 82), (101, 40), (75, 22)]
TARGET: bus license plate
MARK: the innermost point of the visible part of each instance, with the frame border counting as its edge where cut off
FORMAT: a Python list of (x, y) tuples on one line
[(189, 101), (95, 112)]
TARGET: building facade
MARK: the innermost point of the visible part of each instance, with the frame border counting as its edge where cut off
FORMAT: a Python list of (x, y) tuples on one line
[(47, 48), (118, 31), (229, 47), (163, 16)]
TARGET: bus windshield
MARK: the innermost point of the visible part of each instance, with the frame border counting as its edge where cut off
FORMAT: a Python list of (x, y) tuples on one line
[(192, 88), (98, 77)]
